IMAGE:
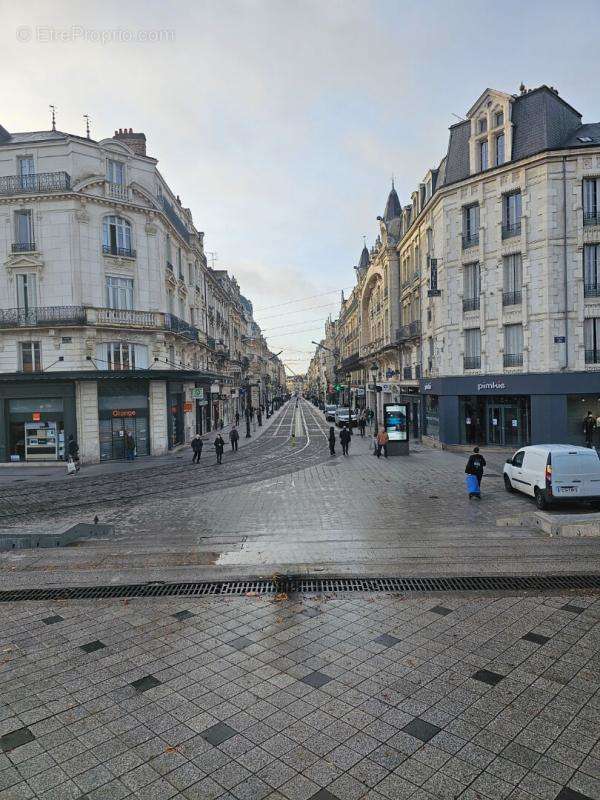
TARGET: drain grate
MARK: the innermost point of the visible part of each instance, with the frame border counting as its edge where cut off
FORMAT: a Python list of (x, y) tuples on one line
[(308, 585)]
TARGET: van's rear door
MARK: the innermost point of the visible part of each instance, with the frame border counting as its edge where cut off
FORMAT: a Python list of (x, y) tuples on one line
[(576, 474)]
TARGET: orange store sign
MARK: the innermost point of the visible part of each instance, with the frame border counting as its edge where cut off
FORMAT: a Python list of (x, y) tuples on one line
[(124, 412)]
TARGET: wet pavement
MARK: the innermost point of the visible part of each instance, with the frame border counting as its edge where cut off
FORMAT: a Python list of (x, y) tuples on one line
[(349, 697)]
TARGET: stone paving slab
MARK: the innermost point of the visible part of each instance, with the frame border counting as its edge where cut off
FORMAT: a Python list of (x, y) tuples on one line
[(365, 697)]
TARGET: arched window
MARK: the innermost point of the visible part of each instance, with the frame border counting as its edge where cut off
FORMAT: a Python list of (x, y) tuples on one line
[(116, 237)]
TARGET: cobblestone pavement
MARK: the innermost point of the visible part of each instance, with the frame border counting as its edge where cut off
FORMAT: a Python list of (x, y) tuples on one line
[(292, 508), (353, 696)]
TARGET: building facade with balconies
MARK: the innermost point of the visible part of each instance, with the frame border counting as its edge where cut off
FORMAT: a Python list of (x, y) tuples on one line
[(111, 320)]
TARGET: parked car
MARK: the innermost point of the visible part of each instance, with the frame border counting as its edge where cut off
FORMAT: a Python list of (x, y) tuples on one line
[(554, 473), (330, 412), (341, 417)]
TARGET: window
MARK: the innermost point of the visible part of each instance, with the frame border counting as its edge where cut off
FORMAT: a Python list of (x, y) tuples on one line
[(472, 348), (168, 252), (116, 237), (179, 267), (591, 267), (30, 357), (518, 459), (511, 214), (513, 280), (499, 149), (119, 292), (117, 356), (115, 172), (471, 225), (172, 355), (26, 172), (181, 308), (513, 345), (191, 273), (591, 339), (27, 291), (499, 119), (482, 124), (483, 154), (471, 287), (591, 195), (24, 240)]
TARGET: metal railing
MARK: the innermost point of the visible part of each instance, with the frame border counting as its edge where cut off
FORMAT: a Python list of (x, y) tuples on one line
[(42, 317), (591, 290), (178, 325), (512, 298), (117, 190), (23, 247), (123, 316), (513, 359), (592, 356), (410, 331), (591, 217), (36, 183), (511, 229), (469, 240), (113, 250), (472, 362), (471, 303)]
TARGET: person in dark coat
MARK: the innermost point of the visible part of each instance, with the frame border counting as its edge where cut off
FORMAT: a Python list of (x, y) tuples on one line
[(331, 440), (589, 426), (234, 438), (197, 445), (219, 447), (259, 416), (73, 449), (129, 446), (475, 465), (237, 418), (345, 437), (362, 423)]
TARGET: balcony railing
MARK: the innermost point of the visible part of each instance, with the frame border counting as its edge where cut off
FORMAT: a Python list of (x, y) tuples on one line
[(469, 240), (513, 359), (511, 229), (42, 317), (113, 250), (472, 362), (117, 190), (410, 331), (123, 316), (592, 356), (512, 298), (591, 290), (178, 325), (35, 184), (471, 303), (591, 217), (23, 247)]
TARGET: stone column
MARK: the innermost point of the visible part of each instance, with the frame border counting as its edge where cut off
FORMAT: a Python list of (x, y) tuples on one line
[(157, 407), (86, 404)]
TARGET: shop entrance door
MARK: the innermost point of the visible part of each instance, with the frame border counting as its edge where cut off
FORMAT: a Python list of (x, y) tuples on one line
[(504, 425), (112, 436)]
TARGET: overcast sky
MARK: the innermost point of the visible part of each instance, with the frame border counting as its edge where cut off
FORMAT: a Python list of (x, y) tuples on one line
[(280, 123)]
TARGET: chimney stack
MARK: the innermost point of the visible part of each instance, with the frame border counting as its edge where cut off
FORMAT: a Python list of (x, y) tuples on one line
[(136, 141)]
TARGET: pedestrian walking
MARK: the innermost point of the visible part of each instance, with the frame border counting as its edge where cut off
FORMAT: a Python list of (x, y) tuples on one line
[(345, 437), (362, 424), (237, 418), (129, 446), (234, 438), (331, 440), (219, 447), (382, 443), (474, 468), (73, 451), (197, 445), (589, 426), (259, 417)]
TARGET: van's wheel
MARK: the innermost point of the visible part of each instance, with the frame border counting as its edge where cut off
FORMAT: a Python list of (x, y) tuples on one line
[(507, 484), (540, 499)]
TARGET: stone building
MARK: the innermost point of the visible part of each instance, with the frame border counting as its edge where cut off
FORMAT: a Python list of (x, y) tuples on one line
[(111, 319)]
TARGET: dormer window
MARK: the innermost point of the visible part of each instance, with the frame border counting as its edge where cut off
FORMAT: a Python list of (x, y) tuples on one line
[(483, 155), (115, 172), (482, 125), (499, 149), (499, 119)]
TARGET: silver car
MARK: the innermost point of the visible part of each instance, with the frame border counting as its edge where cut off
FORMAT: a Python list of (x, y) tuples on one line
[(330, 412)]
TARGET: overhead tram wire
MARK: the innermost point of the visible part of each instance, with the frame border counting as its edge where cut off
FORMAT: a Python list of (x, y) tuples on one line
[(300, 299)]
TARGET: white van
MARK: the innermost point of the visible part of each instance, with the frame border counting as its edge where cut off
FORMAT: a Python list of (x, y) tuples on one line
[(555, 472)]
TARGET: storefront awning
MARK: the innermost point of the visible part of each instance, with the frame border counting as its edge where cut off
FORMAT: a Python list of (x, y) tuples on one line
[(104, 375)]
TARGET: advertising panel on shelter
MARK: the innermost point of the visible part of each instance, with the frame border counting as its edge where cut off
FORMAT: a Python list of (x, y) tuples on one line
[(395, 419)]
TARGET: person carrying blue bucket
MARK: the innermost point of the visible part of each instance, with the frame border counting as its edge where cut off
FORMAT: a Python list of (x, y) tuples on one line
[(474, 472)]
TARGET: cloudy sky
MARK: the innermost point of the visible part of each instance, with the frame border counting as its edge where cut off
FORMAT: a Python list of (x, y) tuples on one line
[(280, 122)]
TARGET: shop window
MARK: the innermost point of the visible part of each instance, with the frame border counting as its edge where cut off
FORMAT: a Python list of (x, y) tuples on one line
[(31, 360), (118, 356), (432, 416), (119, 292)]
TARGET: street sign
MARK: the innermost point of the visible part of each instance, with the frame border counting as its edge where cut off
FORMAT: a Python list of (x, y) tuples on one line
[(198, 393), (338, 387), (560, 339)]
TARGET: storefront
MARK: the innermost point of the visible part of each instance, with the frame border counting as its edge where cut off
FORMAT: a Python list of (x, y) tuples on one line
[(510, 410), (175, 411), (36, 419), (122, 410)]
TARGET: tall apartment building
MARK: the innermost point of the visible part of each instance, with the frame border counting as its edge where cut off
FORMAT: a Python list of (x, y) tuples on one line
[(111, 319)]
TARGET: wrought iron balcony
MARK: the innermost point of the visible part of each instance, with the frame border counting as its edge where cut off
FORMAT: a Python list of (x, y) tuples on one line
[(591, 217), (471, 303), (469, 240), (113, 250), (512, 298), (592, 356), (178, 325), (49, 316), (591, 290), (511, 229), (513, 359), (472, 362), (23, 247), (410, 331), (35, 184)]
